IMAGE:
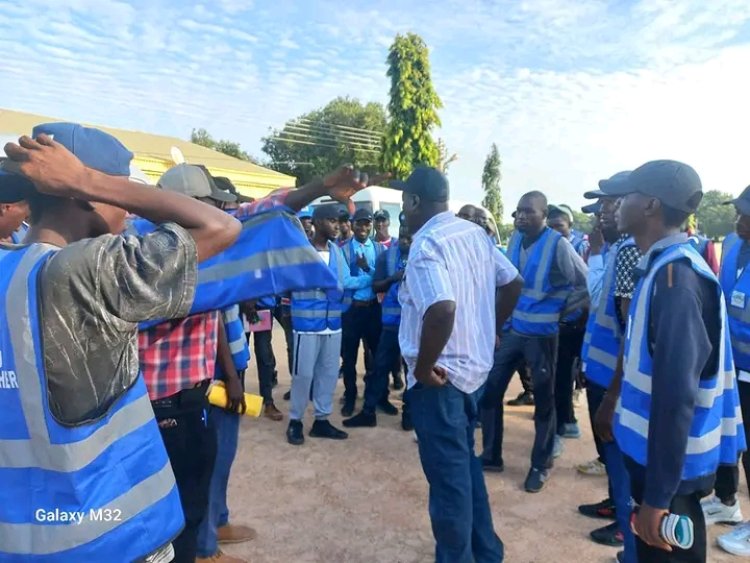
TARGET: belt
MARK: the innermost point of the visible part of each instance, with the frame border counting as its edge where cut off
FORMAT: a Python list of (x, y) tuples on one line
[(186, 400), (357, 303)]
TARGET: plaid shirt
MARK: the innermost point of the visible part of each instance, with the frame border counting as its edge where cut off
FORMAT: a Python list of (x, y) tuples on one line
[(180, 354)]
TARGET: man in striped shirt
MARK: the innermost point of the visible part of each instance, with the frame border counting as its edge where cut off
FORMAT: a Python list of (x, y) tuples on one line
[(456, 294)]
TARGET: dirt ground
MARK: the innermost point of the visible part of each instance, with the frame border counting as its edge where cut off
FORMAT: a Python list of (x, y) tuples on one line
[(364, 500)]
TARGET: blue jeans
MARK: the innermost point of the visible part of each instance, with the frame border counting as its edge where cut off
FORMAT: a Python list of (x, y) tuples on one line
[(227, 433), (444, 419), (620, 487)]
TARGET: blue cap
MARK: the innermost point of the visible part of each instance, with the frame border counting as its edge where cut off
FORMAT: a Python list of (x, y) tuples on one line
[(304, 213), (742, 203), (592, 208), (95, 148), (326, 211), (609, 187), (675, 184)]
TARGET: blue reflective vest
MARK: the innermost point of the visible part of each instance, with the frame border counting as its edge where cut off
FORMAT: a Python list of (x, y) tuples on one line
[(271, 256), (235, 331), (593, 307), (391, 305), (350, 256), (716, 433), (737, 295), (538, 310), (315, 310), (113, 471), (606, 334)]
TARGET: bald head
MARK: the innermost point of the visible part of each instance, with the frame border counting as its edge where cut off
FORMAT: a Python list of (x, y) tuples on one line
[(531, 213), (467, 212)]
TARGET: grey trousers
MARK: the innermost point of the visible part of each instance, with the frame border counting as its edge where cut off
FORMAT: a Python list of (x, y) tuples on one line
[(316, 364)]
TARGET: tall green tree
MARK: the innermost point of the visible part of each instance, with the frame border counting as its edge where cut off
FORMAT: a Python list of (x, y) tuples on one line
[(344, 131), (231, 148), (491, 176), (715, 219), (412, 109)]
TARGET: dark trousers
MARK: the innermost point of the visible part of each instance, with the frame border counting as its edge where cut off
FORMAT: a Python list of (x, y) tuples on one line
[(688, 505), (376, 384), (444, 419), (568, 351), (283, 315), (728, 476), (190, 441), (540, 354), (595, 395), (525, 376), (359, 322), (266, 362)]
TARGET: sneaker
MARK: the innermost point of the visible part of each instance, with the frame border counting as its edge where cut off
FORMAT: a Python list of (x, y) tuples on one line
[(491, 467), (593, 468), (348, 408), (219, 557), (535, 480), (577, 398), (361, 420), (557, 447), (571, 431), (608, 535), (398, 383), (524, 399), (324, 429), (270, 411), (235, 533), (604, 510), (736, 542), (716, 512), (294, 433), (387, 407)]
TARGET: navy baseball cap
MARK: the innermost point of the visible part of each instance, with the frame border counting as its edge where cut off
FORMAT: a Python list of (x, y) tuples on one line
[(326, 211), (675, 184), (382, 215), (609, 186), (426, 182), (13, 187), (344, 216), (592, 208), (362, 215), (742, 203)]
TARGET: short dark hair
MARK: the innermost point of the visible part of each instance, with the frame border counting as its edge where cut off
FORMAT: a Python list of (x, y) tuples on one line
[(39, 204)]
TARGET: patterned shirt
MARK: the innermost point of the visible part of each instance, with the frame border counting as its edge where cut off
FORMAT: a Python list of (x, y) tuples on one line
[(180, 354), (625, 265), (453, 260)]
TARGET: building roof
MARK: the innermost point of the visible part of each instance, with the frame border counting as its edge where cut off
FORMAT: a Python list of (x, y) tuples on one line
[(153, 154)]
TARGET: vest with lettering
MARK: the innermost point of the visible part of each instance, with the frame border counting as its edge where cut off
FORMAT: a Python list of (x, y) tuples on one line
[(350, 256), (538, 310), (737, 295), (606, 334), (391, 305), (716, 432), (114, 470), (316, 310), (592, 314)]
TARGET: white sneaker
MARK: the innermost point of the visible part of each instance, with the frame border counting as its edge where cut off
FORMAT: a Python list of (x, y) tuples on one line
[(716, 512), (595, 468), (736, 542)]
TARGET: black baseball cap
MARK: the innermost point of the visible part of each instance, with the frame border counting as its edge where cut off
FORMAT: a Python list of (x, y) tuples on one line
[(675, 184), (323, 212), (428, 183), (742, 203), (608, 186), (362, 215), (382, 215), (344, 215), (592, 208), (14, 187)]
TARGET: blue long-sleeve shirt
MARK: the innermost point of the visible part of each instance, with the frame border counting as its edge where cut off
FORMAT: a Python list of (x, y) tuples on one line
[(367, 249)]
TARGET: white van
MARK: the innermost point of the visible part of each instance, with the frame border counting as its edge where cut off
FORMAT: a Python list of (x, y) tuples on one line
[(374, 199)]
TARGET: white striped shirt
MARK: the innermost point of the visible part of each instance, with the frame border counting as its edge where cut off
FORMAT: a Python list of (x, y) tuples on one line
[(453, 260)]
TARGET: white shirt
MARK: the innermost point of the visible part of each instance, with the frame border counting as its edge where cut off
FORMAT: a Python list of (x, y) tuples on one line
[(453, 260)]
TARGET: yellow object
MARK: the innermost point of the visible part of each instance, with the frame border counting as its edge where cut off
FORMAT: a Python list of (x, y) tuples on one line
[(217, 396), (153, 155)]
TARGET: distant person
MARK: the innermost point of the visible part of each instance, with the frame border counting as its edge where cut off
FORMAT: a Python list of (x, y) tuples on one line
[(382, 221), (467, 213), (14, 209), (450, 322), (560, 218), (305, 217), (345, 228)]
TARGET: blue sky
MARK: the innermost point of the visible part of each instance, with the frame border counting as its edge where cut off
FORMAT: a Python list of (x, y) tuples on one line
[(571, 91)]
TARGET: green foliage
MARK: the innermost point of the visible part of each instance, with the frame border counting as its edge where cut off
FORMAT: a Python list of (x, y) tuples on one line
[(582, 222), (313, 144), (504, 232), (204, 138), (716, 220), (491, 176), (412, 108)]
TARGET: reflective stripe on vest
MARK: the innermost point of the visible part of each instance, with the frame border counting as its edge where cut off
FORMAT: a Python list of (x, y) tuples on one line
[(317, 310), (538, 309), (391, 315), (606, 334), (737, 295), (272, 256), (235, 331), (116, 463), (716, 432)]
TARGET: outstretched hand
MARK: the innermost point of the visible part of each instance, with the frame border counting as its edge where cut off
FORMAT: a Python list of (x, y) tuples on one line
[(344, 182), (49, 165)]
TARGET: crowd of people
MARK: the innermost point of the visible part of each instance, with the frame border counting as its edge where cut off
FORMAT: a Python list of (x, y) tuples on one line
[(122, 303)]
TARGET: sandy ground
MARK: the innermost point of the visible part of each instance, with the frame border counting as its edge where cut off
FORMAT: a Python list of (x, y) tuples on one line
[(365, 499)]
